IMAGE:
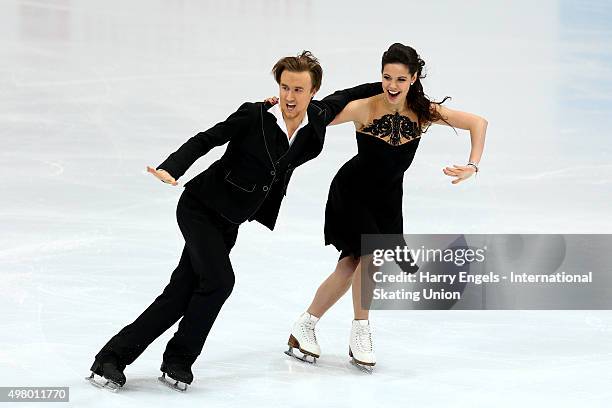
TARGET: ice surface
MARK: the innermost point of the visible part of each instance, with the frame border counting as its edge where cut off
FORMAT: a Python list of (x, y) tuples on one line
[(93, 92)]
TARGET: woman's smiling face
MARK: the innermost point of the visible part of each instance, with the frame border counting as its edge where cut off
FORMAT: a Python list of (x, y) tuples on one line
[(396, 81)]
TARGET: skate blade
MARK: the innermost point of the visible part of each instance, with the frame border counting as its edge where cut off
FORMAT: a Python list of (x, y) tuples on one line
[(172, 383), (304, 358), (364, 368), (104, 383)]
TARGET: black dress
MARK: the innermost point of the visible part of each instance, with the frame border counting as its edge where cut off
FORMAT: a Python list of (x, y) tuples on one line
[(365, 196)]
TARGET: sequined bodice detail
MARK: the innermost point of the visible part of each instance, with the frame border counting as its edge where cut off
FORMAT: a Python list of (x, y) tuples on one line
[(397, 128)]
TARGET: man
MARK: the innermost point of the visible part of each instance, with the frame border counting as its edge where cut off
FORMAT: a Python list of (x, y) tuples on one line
[(266, 143)]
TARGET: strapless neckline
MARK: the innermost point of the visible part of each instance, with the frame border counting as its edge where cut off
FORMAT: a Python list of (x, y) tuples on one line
[(385, 142)]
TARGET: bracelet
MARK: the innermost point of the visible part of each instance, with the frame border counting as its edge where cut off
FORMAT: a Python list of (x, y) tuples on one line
[(473, 165)]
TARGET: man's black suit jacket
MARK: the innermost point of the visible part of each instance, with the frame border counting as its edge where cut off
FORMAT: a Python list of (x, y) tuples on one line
[(249, 181)]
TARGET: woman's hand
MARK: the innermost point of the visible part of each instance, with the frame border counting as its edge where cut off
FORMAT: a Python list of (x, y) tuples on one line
[(273, 100), (163, 175), (459, 172)]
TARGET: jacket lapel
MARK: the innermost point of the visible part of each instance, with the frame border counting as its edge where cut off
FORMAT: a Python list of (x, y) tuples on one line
[(316, 117), (308, 143), (268, 129)]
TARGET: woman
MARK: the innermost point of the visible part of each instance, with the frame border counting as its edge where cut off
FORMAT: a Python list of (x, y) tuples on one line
[(365, 196)]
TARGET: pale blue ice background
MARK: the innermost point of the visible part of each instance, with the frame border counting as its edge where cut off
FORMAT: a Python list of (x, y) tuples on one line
[(92, 92)]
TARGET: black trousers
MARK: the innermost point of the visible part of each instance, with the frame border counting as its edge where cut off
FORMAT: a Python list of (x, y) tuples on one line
[(200, 284)]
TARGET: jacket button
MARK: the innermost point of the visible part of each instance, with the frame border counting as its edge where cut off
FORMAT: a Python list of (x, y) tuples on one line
[(265, 188), (273, 173)]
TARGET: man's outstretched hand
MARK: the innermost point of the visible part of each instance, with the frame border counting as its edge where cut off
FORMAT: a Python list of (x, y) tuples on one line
[(163, 175)]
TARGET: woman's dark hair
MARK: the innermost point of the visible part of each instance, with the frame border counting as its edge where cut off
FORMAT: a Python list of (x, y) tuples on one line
[(416, 99)]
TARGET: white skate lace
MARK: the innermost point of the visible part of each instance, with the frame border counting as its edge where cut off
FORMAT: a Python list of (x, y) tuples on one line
[(363, 338), (308, 331)]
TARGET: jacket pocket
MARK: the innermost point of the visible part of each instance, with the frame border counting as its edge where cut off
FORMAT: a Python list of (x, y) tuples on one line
[(239, 182)]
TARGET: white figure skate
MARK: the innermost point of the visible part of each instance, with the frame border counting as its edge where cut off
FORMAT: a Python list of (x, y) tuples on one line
[(304, 339), (361, 349)]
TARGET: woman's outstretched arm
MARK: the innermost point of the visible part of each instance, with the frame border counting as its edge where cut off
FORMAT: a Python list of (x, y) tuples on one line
[(356, 112), (478, 129)]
